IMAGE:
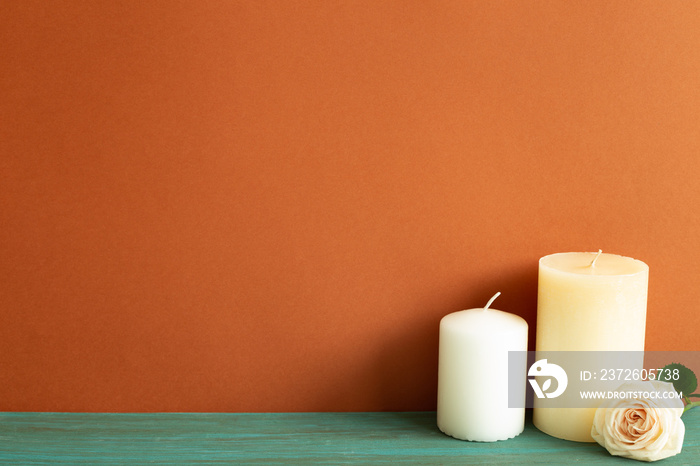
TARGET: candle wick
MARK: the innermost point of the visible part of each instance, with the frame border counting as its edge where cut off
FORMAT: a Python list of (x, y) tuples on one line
[(600, 251), (492, 300)]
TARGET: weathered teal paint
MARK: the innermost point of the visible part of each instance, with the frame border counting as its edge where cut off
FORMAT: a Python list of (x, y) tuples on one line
[(298, 438)]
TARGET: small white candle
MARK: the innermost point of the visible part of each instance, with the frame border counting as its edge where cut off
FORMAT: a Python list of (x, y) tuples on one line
[(473, 374)]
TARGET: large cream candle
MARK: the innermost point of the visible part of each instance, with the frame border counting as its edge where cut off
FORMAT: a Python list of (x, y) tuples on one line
[(587, 302), (473, 374)]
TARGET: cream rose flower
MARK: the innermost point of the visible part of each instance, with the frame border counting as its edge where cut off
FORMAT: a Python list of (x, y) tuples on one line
[(643, 426)]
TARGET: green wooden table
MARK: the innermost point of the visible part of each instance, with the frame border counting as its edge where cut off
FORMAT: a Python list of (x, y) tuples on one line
[(302, 438)]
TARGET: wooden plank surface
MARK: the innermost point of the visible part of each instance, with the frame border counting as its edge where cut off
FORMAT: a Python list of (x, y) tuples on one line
[(300, 438)]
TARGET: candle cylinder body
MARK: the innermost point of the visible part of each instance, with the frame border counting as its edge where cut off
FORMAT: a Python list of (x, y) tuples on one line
[(473, 375), (584, 307)]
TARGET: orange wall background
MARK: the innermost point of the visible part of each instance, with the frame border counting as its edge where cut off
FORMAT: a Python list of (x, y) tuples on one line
[(268, 206)]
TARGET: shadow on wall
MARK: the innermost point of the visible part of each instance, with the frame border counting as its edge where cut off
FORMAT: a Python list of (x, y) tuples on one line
[(404, 374)]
